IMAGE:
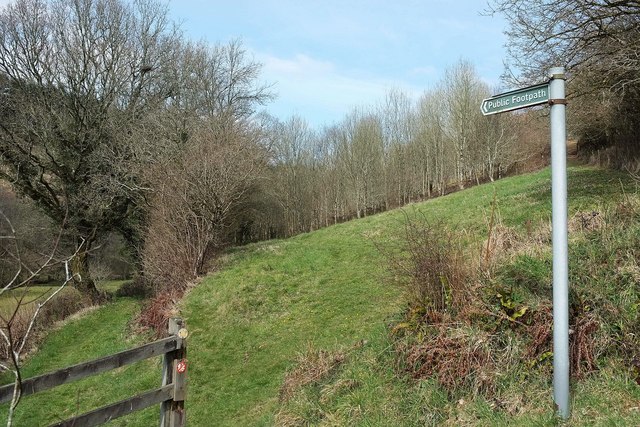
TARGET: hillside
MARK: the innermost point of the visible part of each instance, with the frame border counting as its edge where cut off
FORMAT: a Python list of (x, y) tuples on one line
[(296, 331)]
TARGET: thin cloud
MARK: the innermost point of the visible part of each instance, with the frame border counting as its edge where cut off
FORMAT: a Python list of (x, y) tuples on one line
[(325, 57), (310, 83), (427, 70), (299, 65)]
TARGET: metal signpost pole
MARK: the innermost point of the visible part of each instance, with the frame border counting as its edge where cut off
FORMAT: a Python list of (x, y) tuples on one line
[(560, 246), (553, 94)]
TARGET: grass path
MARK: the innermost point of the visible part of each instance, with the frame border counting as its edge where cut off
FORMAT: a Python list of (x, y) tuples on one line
[(274, 299)]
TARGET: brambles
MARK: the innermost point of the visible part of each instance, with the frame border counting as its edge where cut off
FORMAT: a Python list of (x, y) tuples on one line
[(457, 358), (158, 310)]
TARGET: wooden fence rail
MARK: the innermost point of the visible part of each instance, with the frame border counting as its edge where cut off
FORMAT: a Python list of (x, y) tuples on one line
[(170, 395)]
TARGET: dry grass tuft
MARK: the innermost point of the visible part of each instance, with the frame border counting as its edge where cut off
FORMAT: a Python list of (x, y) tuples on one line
[(504, 243), (586, 221), (457, 359), (338, 387), (287, 419), (501, 240), (312, 366)]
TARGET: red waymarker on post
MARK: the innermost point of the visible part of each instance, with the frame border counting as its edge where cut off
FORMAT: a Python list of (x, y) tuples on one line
[(181, 367)]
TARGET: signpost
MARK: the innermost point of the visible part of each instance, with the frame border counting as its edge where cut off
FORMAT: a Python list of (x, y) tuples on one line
[(514, 100), (552, 93)]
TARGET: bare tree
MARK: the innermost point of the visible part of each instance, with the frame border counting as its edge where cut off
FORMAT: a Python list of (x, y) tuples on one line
[(360, 157), (601, 35), (195, 196), (396, 115), (430, 141), (464, 92), (293, 160), (218, 81), (207, 157)]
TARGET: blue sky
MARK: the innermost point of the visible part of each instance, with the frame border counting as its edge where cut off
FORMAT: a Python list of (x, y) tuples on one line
[(326, 57)]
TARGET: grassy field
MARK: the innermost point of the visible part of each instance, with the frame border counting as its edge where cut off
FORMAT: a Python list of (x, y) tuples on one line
[(325, 296)]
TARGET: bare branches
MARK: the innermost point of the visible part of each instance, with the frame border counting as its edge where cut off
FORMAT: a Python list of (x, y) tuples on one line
[(197, 193), (584, 33), (598, 41), (18, 323)]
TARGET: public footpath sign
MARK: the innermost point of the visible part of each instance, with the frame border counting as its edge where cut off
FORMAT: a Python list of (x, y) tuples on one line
[(514, 100), (553, 94)]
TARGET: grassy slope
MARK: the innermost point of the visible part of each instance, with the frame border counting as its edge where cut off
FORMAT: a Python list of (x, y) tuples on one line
[(325, 290)]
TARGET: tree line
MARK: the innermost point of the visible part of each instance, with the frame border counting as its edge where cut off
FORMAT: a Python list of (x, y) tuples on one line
[(394, 153), (112, 122)]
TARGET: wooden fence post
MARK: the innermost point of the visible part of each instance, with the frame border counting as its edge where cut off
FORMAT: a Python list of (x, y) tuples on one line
[(174, 371)]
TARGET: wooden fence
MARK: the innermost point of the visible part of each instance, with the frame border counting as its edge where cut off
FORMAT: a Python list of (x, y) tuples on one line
[(170, 395)]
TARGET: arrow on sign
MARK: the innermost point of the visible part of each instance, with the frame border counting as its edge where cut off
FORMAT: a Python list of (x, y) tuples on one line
[(514, 100)]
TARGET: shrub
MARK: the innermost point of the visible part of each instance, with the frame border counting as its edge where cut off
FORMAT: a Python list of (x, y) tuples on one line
[(467, 340), (66, 303), (431, 266), (139, 287), (69, 301), (156, 313), (19, 326)]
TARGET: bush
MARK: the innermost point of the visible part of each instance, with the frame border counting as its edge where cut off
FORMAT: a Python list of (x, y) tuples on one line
[(66, 303), (69, 301), (19, 327), (467, 338), (139, 287), (431, 266)]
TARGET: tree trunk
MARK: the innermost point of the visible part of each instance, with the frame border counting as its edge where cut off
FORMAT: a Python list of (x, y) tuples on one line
[(82, 280)]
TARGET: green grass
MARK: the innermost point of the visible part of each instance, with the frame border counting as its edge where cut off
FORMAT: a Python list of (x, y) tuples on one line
[(25, 296), (30, 295), (272, 301)]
